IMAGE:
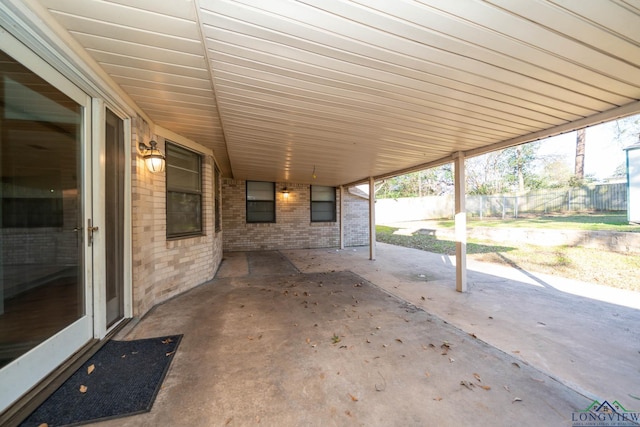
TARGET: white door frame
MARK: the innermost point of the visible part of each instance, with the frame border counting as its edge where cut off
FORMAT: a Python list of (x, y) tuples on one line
[(99, 242), (20, 375)]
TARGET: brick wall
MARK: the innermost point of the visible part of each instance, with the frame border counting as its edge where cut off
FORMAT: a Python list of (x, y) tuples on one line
[(356, 220), (293, 228), (164, 268)]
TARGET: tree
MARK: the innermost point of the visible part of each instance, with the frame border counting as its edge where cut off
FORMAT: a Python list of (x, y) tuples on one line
[(627, 130), (581, 139)]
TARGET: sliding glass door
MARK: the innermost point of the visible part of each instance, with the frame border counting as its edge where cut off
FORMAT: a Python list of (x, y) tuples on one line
[(45, 252)]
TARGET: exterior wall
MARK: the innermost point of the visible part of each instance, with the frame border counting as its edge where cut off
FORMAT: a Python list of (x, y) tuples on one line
[(293, 228), (356, 220), (164, 268)]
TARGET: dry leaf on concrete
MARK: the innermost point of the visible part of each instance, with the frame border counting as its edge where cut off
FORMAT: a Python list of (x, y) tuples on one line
[(355, 399), (167, 341), (467, 384), (485, 387), (517, 399), (477, 376), (90, 369), (83, 388)]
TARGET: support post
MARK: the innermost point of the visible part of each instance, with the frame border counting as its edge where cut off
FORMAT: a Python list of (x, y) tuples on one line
[(372, 219), (461, 223), (341, 217)]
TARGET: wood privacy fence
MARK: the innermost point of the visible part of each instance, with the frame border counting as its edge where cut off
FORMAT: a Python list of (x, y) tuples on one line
[(604, 197)]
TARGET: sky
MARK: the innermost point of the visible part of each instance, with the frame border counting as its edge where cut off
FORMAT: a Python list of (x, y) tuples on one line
[(603, 154)]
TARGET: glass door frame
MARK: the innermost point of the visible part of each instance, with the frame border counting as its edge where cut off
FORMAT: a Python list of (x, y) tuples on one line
[(99, 209), (20, 375)]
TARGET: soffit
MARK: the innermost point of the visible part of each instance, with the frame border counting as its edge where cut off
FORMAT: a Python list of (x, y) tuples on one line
[(362, 88)]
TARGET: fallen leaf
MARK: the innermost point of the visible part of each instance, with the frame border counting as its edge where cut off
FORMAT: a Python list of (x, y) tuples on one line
[(348, 413), (516, 351), (437, 399), (399, 340), (90, 369), (355, 399), (506, 387), (308, 340), (473, 335), (477, 377), (228, 421), (451, 360), (485, 387), (168, 340), (44, 425), (83, 388), (515, 364), (170, 353), (517, 399), (423, 298), (368, 341), (467, 384), (427, 374)]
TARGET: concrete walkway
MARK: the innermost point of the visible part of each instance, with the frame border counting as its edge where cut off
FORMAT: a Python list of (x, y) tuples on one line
[(584, 335), (327, 337)]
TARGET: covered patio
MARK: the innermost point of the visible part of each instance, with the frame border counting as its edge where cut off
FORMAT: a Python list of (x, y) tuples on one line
[(325, 337), (144, 141)]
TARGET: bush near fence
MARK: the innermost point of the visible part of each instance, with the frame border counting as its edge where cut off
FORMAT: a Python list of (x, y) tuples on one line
[(601, 197)]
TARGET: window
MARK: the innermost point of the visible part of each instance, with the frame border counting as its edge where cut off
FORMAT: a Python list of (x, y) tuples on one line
[(261, 201), (184, 192), (323, 204), (217, 206)]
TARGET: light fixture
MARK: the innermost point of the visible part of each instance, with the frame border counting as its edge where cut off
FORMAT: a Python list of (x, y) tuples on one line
[(153, 158), (285, 192)]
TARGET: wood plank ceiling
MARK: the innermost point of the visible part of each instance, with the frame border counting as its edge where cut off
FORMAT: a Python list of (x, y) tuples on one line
[(365, 87)]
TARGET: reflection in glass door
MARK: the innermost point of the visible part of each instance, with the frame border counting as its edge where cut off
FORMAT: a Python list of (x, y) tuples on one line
[(43, 302), (114, 216)]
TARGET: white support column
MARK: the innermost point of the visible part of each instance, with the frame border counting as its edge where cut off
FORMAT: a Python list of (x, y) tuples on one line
[(372, 219), (461, 223), (341, 217)]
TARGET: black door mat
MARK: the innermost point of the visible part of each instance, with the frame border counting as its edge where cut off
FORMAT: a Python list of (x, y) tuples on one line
[(121, 379)]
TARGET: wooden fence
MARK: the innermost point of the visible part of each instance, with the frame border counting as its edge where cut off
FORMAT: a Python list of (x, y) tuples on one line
[(604, 198)]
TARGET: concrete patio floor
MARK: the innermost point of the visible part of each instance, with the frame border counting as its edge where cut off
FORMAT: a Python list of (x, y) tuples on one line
[(327, 337)]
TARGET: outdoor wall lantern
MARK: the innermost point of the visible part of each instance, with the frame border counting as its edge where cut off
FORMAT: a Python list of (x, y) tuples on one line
[(153, 158), (285, 193)]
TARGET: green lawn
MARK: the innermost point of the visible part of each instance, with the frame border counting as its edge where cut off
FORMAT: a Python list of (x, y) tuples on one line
[(589, 265), (593, 222)]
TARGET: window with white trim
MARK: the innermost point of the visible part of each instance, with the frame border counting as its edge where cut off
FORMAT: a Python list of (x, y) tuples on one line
[(261, 201), (323, 204), (184, 192)]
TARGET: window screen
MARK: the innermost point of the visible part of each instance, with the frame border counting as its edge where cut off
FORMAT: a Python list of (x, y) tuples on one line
[(184, 192), (323, 203), (261, 201)]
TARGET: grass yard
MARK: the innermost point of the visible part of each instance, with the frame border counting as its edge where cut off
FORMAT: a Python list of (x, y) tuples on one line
[(589, 265), (592, 222)]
